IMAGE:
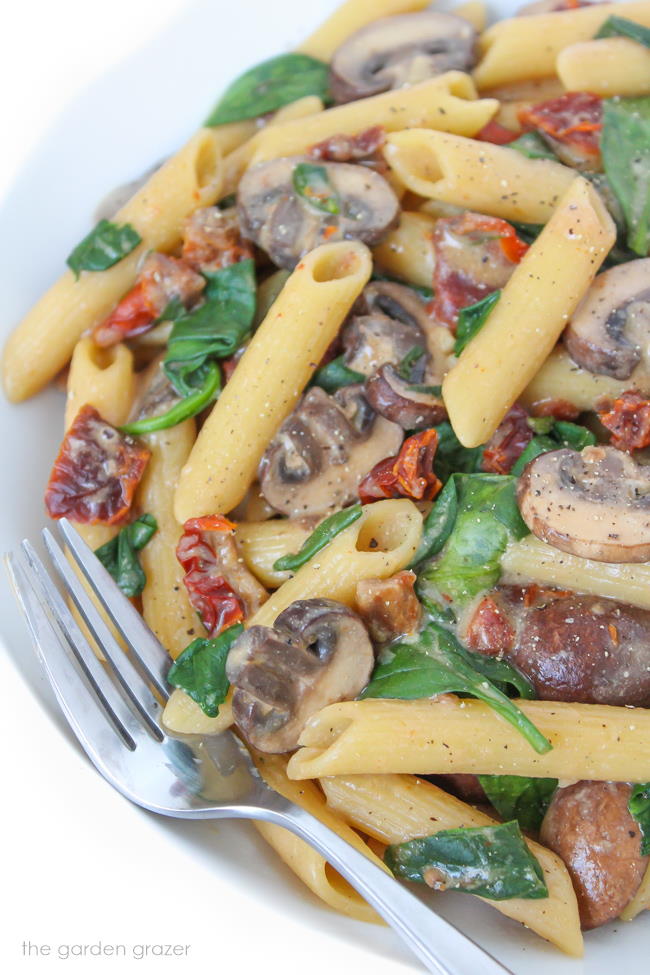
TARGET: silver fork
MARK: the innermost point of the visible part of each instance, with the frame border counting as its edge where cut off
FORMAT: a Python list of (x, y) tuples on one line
[(115, 714)]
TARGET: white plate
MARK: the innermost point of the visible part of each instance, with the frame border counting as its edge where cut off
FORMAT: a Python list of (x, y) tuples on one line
[(222, 892)]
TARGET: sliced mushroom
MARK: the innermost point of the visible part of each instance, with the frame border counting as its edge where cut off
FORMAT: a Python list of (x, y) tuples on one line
[(595, 504), (411, 405), (371, 341), (321, 452), (610, 330), (396, 51), (317, 653), (287, 226), (157, 395)]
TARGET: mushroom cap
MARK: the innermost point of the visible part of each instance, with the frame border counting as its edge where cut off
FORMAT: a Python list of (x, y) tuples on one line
[(403, 402), (610, 329), (287, 226), (371, 341), (319, 455), (401, 50), (318, 652), (594, 503)]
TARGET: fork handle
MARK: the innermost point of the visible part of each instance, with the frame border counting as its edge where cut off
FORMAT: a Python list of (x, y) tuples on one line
[(437, 943)]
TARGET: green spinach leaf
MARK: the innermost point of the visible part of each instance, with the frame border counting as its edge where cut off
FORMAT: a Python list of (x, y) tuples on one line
[(519, 797), (104, 246), (533, 145), (203, 395), (625, 149), (200, 670), (491, 861), (472, 319), (119, 556), (438, 524), (271, 85), (319, 538), (639, 806), (434, 662), (558, 433), (311, 183), (335, 375), (622, 27), (451, 457)]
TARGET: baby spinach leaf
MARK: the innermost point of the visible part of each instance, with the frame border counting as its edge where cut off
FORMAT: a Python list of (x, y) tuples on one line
[(215, 330), (528, 232), (319, 538), (425, 293), (206, 391), (487, 519), (625, 149), (119, 556), (434, 662), (335, 375), (451, 457), (311, 182), (269, 86), (104, 246), (472, 319), (519, 797), (438, 524), (200, 670), (491, 861), (559, 433), (533, 145), (405, 366), (639, 806), (622, 27)]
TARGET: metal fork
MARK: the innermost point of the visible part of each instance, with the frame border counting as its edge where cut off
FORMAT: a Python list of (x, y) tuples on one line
[(114, 710)]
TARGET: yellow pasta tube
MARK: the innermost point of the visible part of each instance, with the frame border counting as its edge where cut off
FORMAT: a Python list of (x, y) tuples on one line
[(477, 175), (165, 603), (430, 737), (527, 47), (535, 305), (104, 378), (271, 375), (407, 251), (608, 66), (447, 102), (532, 560), (261, 543), (398, 808), (43, 342), (561, 379), (351, 16), (475, 12), (183, 716), (305, 862)]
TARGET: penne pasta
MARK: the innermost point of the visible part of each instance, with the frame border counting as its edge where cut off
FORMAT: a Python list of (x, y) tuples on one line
[(398, 808), (475, 12), (262, 543), (270, 377), (407, 252), (609, 66), (529, 317), (560, 378), (349, 17), (447, 734), (104, 378)]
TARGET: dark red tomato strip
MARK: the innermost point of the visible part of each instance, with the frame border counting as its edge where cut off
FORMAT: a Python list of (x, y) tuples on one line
[(508, 442), (210, 594), (96, 472), (408, 474), (490, 630), (496, 133), (628, 420), (574, 119)]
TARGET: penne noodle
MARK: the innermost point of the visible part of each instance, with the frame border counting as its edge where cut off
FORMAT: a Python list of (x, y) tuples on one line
[(104, 378), (349, 17), (262, 543), (407, 251), (609, 66), (528, 319), (561, 379), (475, 12), (447, 734), (270, 377), (398, 808)]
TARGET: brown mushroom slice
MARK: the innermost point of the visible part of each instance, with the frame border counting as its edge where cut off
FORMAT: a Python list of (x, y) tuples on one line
[(411, 405), (371, 341), (595, 504), (609, 333), (318, 652), (402, 50), (322, 451), (287, 226)]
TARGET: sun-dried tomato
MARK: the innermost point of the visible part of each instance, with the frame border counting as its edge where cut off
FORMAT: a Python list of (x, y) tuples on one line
[(210, 594), (573, 120), (559, 409), (475, 255), (628, 420), (496, 133), (508, 442), (489, 630), (344, 148), (408, 474), (161, 282), (96, 472), (213, 240)]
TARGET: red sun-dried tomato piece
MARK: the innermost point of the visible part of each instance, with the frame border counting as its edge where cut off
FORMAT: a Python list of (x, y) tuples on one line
[(508, 442), (210, 593), (161, 281), (573, 120), (409, 474), (96, 472), (496, 133), (345, 148), (628, 420), (489, 630), (475, 255), (213, 240), (559, 409)]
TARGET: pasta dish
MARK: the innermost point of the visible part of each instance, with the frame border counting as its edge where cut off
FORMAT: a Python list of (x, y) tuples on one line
[(358, 416)]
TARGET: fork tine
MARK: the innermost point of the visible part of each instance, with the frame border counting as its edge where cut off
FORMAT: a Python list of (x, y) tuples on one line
[(91, 707), (149, 652), (122, 668)]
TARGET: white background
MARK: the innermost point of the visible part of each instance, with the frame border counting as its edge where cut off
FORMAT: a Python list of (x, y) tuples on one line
[(91, 94)]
